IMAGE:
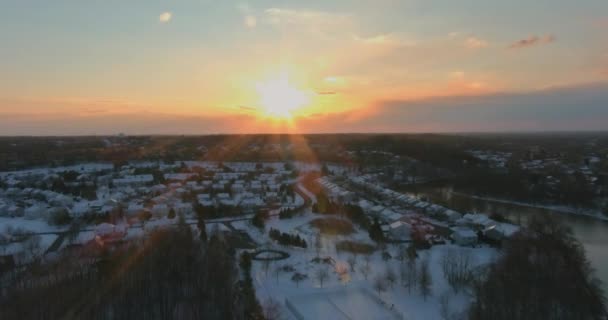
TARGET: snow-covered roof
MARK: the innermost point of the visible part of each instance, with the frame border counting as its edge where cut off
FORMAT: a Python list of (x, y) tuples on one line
[(464, 232)]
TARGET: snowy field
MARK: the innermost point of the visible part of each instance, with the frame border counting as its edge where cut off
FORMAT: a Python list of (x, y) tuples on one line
[(28, 225), (341, 304), (346, 293)]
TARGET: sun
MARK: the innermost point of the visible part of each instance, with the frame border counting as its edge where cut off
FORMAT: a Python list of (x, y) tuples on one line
[(280, 99)]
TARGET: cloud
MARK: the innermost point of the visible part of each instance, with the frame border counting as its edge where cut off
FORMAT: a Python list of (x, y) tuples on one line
[(564, 108), (601, 23), (308, 19), (165, 17), (532, 41), (249, 18), (457, 75), (555, 109), (475, 43), (385, 40), (250, 21), (247, 108)]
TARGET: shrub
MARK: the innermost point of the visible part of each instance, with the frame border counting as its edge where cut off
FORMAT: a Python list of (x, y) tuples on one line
[(333, 226), (355, 247)]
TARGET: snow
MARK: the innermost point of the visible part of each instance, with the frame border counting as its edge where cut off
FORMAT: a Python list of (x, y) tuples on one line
[(34, 226), (350, 295)]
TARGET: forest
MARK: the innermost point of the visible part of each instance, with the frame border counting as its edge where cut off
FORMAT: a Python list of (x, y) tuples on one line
[(169, 275)]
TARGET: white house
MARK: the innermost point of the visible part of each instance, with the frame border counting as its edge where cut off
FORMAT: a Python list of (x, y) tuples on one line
[(133, 180), (183, 208), (160, 209), (204, 199), (400, 230), (179, 176), (464, 236), (134, 209)]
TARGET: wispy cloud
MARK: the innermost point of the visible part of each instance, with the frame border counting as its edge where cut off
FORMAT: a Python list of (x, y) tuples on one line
[(545, 110), (532, 41), (250, 21), (386, 39), (457, 74), (308, 19), (475, 43), (247, 108), (453, 34), (165, 17)]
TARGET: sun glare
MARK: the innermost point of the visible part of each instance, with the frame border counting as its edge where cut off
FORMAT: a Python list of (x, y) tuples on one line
[(279, 98)]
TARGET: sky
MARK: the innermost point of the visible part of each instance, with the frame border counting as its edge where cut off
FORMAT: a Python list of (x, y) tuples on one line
[(72, 67)]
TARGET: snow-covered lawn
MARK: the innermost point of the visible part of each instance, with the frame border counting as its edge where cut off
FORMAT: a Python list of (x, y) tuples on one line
[(352, 286), (35, 226), (343, 303)]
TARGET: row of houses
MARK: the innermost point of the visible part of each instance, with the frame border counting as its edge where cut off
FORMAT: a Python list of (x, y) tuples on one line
[(404, 216)]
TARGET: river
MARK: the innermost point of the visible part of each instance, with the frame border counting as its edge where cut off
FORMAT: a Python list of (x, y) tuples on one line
[(591, 232)]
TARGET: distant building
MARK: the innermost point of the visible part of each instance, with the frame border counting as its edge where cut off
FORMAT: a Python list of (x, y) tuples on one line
[(133, 181)]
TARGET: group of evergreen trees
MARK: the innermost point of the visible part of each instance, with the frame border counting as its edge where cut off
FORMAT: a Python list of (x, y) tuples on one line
[(287, 213), (375, 231), (251, 305), (352, 211), (287, 239), (259, 219)]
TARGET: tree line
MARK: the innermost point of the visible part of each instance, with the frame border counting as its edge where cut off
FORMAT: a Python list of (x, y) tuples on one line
[(287, 239), (169, 275)]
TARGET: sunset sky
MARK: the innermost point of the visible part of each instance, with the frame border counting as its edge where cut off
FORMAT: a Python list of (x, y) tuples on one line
[(200, 66)]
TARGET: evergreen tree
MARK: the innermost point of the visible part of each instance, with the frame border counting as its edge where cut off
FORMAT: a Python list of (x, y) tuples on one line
[(171, 214), (375, 231)]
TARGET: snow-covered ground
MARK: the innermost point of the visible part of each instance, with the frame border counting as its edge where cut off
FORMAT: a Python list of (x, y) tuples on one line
[(33, 226), (343, 284)]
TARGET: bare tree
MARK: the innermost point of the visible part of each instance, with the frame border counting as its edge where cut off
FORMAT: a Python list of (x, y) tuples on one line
[(321, 275), (272, 310), (408, 274), (390, 276), (277, 273), (380, 285), (297, 277), (424, 279), (318, 244), (365, 270), (352, 262), (444, 306), (32, 246), (367, 260), (402, 254), (266, 266), (457, 268), (73, 231), (542, 274)]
